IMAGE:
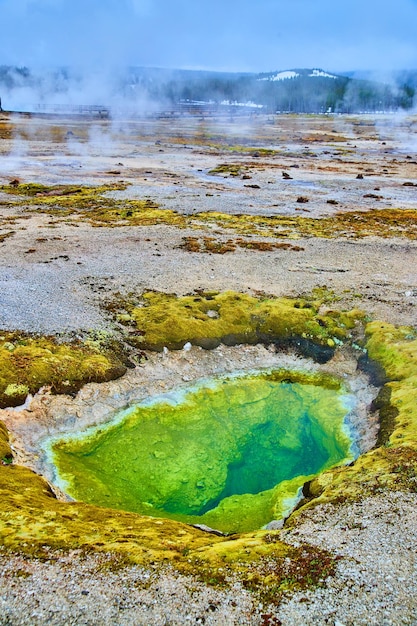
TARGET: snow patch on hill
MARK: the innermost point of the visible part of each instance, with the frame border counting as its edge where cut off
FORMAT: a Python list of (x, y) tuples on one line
[(322, 74), (287, 74), (282, 75)]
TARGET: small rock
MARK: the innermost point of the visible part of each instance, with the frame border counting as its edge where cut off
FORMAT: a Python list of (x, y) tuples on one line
[(276, 524), (207, 529)]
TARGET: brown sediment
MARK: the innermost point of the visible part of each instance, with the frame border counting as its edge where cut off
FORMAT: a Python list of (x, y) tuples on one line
[(217, 246)]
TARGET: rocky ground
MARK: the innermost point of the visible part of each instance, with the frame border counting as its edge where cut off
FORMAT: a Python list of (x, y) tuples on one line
[(56, 271)]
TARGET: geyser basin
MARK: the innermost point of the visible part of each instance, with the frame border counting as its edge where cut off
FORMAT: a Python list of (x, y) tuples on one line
[(231, 452)]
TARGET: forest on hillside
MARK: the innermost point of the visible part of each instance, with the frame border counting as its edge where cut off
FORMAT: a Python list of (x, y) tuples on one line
[(304, 92)]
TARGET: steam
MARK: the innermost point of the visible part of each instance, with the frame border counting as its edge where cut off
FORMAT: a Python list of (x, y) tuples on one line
[(140, 91)]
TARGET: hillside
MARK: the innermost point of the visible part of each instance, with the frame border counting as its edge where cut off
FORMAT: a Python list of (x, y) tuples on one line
[(294, 91)]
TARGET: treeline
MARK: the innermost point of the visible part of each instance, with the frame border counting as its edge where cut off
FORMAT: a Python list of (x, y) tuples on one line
[(57, 81), (305, 92)]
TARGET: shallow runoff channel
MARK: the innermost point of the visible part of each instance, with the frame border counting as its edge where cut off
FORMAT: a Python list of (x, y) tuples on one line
[(224, 438)]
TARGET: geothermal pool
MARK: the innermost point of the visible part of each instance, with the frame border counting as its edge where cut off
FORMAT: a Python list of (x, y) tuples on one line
[(231, 453)]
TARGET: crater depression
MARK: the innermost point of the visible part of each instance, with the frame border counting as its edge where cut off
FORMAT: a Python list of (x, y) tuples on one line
[(230, 452)]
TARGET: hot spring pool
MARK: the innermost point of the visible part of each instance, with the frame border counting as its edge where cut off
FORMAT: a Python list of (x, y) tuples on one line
[(231, 453)]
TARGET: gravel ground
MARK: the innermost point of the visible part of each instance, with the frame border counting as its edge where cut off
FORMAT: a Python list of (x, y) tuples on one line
[(376, 580), (83, 591)]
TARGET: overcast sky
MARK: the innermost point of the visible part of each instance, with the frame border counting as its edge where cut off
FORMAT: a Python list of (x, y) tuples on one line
[(237, 35)]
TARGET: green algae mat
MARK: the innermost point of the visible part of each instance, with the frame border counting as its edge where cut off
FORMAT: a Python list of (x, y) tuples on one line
[(231, 453), (27, 363)]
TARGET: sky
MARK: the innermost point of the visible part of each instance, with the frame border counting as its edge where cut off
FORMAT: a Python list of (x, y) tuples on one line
[(221, 35)]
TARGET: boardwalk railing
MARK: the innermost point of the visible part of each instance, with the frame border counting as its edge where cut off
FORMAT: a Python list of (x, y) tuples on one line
[(90, 110), (205, 109)]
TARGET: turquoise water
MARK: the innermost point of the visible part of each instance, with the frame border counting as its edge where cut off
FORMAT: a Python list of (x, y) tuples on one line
[(230, 453)]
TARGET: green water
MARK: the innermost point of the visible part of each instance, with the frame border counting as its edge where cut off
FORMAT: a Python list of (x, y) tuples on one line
[(231, 453)]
